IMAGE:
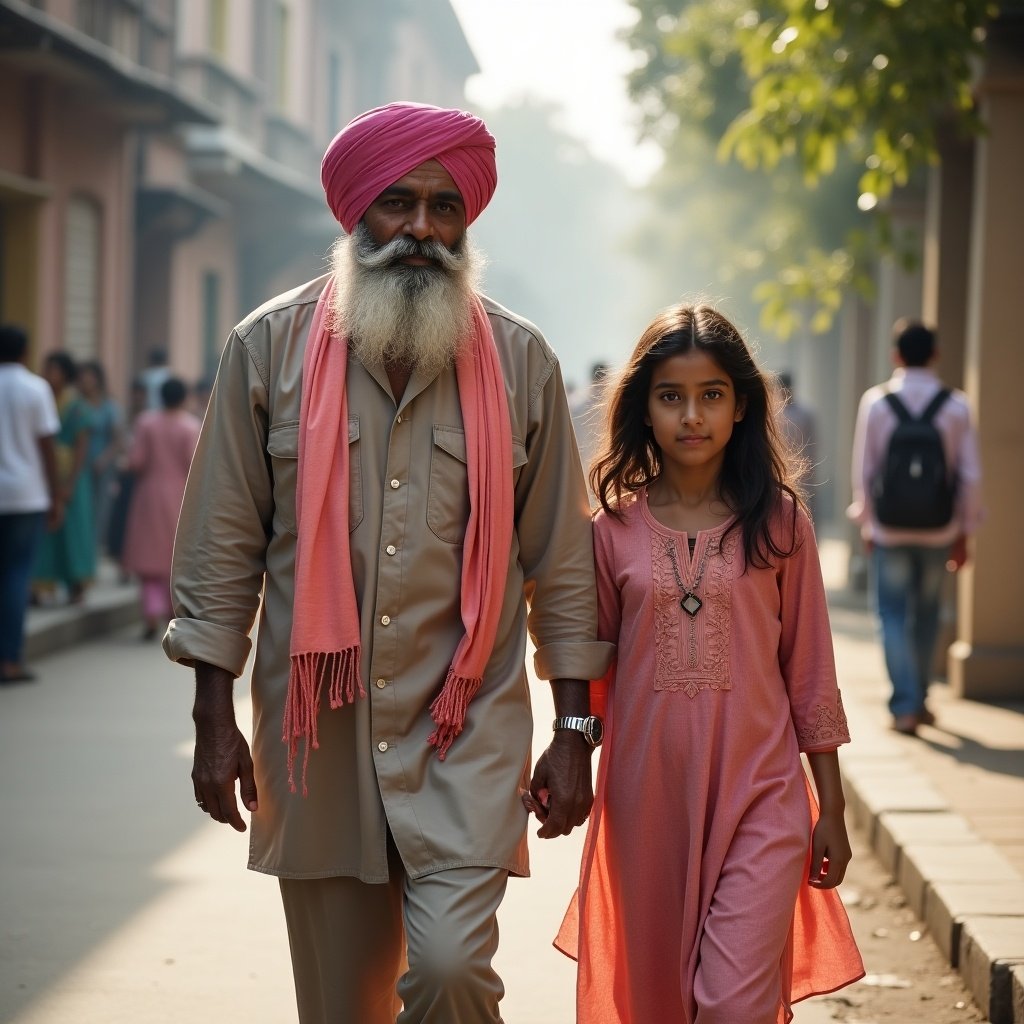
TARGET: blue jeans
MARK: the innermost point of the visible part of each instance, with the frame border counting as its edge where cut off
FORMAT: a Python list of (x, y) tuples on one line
[(907, 585), (20, 533)]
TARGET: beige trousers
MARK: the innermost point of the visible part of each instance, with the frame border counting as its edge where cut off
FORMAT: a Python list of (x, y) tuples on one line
[(415, 951)]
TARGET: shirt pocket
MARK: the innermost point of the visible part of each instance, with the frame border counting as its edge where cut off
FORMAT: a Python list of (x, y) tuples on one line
[(283, 448), (448, 489)]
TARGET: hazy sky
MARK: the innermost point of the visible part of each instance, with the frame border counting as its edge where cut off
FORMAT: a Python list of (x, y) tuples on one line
[(565, 51)]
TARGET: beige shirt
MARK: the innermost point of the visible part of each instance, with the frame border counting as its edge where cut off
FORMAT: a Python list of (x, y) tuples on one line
[(408, 508)]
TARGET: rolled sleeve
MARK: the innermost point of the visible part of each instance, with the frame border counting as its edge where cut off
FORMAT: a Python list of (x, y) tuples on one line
[(190, 640), (562, 660)]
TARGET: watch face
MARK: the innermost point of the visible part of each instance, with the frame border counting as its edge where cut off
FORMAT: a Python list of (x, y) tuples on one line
[(594, 730)]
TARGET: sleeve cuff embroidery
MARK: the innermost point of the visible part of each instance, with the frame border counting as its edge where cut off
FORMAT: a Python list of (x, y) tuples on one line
[(828, 727)]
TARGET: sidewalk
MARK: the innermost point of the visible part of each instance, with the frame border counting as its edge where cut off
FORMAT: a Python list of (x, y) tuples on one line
[(943, 812)]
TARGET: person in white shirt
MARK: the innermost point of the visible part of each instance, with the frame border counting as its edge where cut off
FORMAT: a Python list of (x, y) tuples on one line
[(908, 560), (29, 496)]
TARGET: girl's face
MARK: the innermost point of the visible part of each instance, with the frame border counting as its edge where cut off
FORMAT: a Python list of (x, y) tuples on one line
[(692, 408)]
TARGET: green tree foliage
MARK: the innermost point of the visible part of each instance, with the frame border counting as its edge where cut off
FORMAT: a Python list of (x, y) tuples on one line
[(817, 110)]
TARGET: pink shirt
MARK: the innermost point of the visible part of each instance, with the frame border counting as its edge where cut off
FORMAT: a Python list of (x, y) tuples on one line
[(875, 423)]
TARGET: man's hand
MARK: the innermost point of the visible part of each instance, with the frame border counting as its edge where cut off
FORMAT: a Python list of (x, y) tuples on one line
[(562, 775), (222, 753), (957, 554)]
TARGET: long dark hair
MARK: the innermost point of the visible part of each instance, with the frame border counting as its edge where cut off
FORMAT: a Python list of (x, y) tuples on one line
[(758, 470)]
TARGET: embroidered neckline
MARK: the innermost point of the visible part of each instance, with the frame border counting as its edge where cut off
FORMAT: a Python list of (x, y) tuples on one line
[(667, 531)]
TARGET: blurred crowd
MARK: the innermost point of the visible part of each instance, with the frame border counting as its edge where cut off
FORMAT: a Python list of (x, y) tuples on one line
[(99, 479)]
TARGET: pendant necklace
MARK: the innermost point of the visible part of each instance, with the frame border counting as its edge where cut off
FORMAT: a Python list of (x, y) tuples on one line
[(689, 602)]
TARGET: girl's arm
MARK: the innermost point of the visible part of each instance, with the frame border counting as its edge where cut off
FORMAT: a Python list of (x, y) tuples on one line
[(830, 845)]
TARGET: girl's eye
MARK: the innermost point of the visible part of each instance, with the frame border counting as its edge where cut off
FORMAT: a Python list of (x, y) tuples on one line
[(713, 394)]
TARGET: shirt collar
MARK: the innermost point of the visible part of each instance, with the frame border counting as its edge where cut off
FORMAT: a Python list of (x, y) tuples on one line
[(908, 374)]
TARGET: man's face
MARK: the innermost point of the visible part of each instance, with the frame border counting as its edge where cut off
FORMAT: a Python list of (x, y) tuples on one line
[(424, 204)]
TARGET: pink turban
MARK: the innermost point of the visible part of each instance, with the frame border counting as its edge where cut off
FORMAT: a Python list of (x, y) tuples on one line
[(377, 148)]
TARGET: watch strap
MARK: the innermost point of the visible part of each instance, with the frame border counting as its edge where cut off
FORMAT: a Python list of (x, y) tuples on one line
[(576, 722)]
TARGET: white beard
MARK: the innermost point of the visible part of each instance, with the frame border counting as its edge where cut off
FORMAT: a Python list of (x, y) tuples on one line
[(399, 315)]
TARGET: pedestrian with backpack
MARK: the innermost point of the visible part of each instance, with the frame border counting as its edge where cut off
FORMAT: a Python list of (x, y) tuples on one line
[(917, 499)]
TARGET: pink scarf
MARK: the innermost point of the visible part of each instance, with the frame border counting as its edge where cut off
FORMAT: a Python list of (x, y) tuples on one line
[(325, 627)]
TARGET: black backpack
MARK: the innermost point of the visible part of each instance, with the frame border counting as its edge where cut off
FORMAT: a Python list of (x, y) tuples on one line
[(914, 490)]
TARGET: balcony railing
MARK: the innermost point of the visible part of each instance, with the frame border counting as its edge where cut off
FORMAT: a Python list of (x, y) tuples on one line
[(237, 100)]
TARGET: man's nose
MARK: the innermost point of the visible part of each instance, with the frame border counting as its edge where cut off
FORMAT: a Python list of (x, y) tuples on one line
[(418, 224)]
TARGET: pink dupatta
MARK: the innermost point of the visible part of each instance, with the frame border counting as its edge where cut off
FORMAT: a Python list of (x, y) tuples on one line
[(324, 649)]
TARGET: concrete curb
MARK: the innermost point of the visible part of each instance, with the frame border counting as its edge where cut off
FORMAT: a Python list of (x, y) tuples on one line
[(106, 608), (963, 888)]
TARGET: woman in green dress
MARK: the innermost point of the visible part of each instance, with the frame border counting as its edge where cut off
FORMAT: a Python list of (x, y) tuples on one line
[(67, 556)]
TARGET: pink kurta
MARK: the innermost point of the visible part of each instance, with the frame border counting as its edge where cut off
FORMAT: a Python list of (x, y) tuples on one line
[(698, 847), (162, 448)]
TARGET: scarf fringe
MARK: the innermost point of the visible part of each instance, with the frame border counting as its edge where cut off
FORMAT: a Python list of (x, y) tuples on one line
[(306, 677), (449, 710)]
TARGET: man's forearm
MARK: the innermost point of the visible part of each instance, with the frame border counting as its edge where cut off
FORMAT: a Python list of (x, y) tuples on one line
[(571, 697), (214, 694)]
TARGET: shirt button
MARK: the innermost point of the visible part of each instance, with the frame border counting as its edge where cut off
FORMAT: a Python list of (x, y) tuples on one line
[(382, 746), (381, 683), (385, 620), (395, 484), (391, 549)]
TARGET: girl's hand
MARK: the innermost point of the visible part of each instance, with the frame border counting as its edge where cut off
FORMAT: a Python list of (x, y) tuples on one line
[(830, 852)]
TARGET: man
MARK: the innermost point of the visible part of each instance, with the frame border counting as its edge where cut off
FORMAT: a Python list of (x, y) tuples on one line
[(30, 499), (153, 376), (910, 550), (389, 456)]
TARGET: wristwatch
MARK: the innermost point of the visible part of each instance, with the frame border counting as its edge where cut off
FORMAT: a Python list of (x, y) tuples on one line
[(592, 727)]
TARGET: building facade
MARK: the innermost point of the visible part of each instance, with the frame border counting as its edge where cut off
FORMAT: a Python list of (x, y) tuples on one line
[(159, 161)]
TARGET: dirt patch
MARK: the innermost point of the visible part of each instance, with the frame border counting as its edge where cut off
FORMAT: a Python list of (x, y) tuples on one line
[(908, 980)]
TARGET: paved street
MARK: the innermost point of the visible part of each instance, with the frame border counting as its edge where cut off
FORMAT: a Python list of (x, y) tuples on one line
[(122, 903)]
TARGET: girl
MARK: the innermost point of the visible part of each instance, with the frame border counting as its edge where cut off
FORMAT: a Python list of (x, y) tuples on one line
[(704, 876), (161, 453)]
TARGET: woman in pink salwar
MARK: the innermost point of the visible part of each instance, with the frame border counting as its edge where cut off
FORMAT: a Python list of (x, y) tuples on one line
[(162, 447), (707, 889)]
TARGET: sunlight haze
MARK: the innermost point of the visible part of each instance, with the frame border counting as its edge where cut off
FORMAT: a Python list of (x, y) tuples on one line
[(566, 52)]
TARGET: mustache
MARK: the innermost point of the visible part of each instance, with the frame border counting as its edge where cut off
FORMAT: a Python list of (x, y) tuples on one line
[(372, 256)]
